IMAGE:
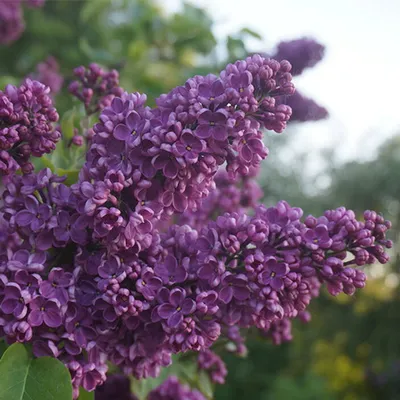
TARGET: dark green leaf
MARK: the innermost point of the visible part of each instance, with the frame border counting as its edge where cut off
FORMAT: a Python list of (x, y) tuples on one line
[(26, 378)]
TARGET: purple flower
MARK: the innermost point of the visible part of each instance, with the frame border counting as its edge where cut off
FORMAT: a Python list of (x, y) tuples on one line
[(47, 311), (211, 270), (318, 238), (15, 300), (148, 284), (273, 274), (234, 287), (211, 92), (189, 146), (177, 306), (111, 269), (24, 260), (55, 287), (170, 271), (250, 146), (166, 161), (81, 326), (35, 216), (212, 124)]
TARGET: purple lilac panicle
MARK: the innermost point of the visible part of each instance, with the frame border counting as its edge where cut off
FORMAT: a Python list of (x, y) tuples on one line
[(26, 127), (110, 286), (95, 87)]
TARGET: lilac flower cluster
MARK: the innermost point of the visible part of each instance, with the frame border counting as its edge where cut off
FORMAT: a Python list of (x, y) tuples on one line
[(48, 72), (147, 163), (93, 272), (95, 87), (302, 53), (172, 389), (26, 126), (11, 19), (213, 364), (303, 108)]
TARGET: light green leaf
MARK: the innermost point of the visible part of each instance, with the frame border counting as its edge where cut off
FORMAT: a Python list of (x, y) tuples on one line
[(26, 378), (250, 32), (205, 385), (67, 125)]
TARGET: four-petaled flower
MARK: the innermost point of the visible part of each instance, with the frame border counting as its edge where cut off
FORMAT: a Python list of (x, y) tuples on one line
[(175, 307), (273, 274)]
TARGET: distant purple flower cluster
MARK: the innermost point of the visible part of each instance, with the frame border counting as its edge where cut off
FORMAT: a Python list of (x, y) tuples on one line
[(48, 73), (11, 19), (172, 389), (302, 53), (96, 272), (95, 87), (303, 108), (26, 126)]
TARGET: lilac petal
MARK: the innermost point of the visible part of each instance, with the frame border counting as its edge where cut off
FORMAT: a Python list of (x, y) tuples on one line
[(132, 120), (148, 169), (188, 306), (276, 283), (246, 153), (180, 202), (8, 305), (80, 338), (176, 297), (44, 240), (175, 320), (24, 218), (62, 296), (226, 294), (170, 263), (35, 317), (52, 318), (203, 131), (117, 104), (87, 189), (281, 269), (220, 133), (241, 293), (47, 289), (166, 310), (171, 170), (121, 132)]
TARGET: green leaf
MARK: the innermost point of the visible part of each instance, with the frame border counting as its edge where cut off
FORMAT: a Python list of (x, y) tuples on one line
[(71, 174), (84, 395), (205, 385), (250, 32), (26, 378), (67, 125)]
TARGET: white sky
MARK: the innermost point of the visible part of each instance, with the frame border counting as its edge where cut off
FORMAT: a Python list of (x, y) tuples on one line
[(358, 79)]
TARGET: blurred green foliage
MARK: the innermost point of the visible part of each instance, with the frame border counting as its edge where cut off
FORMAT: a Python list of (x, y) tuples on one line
[(154, 51)]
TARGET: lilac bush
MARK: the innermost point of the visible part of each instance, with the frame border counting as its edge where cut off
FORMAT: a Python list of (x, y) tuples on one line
[(160, 247)]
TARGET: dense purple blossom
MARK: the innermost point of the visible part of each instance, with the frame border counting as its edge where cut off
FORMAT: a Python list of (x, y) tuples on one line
[(26, 129), (98, 272)]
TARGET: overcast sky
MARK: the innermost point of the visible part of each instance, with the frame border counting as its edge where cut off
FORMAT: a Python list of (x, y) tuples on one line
[(358, 79)]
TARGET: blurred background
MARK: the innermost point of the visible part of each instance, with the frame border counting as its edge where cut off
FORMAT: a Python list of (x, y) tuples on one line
[(342, 147)]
